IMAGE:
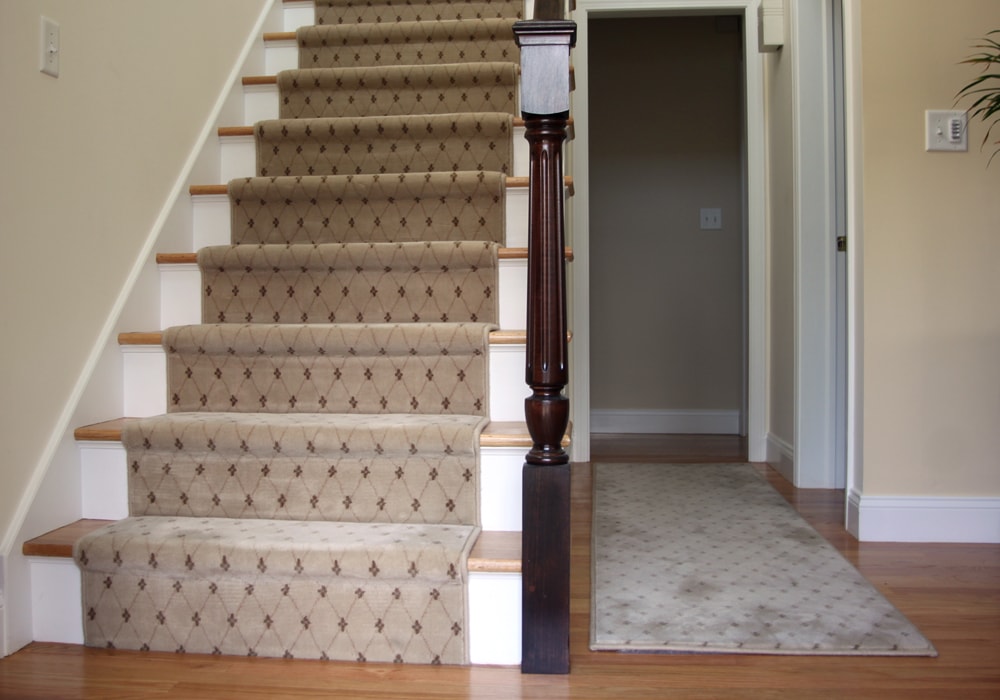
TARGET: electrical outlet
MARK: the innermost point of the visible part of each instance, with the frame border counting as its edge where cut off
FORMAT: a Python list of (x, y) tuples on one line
[(711, 219), (50, 47)]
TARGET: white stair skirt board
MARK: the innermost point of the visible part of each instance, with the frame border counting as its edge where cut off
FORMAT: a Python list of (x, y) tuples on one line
[(923, 519), (211, 218), (105, 492), (697, 421), (146, 389), (494, 610), (238, 156), (180, 296)]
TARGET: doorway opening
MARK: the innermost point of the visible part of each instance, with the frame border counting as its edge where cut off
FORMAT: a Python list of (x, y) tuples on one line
[(668, 225)]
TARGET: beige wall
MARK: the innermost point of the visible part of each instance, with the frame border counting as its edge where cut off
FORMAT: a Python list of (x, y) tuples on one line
[(88, 162), (931, 260), (666, 298)]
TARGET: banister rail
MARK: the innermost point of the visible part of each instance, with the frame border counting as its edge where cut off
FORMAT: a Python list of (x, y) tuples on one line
[(545, 538)]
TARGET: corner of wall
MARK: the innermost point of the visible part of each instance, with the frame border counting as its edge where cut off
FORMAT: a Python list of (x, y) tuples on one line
[(781, 456)]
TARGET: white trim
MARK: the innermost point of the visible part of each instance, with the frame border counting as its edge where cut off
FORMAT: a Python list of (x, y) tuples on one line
[(854, 188), (781, 456), (692, 421), (814, 195), (756, 245), (924, 519), (3, 623)]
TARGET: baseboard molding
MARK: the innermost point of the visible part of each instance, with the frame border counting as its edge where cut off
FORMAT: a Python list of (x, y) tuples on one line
[(781, 456), (696, 421), (923, 519)]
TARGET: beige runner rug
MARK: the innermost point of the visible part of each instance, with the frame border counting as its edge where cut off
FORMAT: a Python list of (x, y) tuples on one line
[(710, 558)]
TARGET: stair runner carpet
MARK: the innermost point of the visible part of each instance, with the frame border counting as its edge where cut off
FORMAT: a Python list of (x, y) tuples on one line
[(313, 489)]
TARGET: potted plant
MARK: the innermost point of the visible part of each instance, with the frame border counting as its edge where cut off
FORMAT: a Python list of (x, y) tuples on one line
[(985, 90)]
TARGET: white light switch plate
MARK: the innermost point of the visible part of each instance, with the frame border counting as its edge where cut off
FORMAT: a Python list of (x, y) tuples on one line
[(946, 130)]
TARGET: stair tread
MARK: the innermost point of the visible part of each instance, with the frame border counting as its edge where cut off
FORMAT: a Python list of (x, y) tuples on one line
[(192, 258), (494, 551), (495, 434), (513, 182), (155, 337)]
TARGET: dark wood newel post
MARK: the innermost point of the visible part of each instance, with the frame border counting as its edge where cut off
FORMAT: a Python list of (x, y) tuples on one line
[(545, 538)]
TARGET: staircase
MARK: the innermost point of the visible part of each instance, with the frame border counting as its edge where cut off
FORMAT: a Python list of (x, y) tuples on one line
[(325, 449)]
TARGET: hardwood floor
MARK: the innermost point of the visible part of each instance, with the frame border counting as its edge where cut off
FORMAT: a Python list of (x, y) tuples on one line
[(952, 592)]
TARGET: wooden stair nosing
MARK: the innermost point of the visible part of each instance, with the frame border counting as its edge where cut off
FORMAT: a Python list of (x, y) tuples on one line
[(253, 80), (494, 551), (513, 182), (495, 434), (248, 130), (500, 337), (502, 254)]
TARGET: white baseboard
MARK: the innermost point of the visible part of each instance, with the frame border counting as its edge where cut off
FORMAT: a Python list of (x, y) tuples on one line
[(697, 421), (923, 519), (781, 456)]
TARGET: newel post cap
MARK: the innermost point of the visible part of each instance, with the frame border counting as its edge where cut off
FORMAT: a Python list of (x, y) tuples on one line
[(545, 46)]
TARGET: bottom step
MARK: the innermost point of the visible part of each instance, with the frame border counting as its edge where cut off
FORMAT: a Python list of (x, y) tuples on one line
[(494, 592)]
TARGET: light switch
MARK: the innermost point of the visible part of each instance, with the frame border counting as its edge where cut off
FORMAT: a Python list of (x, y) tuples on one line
[(711, 219), (947, 130), (49, 56)]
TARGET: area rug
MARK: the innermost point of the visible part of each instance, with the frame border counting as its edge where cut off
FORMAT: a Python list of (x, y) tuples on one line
[(710, 558)]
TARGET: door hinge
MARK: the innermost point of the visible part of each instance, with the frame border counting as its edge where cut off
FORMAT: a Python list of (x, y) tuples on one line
[(841, 244)]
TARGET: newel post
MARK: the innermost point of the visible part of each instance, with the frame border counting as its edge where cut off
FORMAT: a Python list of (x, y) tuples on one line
[(545, 538)]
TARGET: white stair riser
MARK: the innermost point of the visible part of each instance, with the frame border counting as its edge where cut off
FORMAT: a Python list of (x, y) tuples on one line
[(495, 618), (297, 14), (56, 600), (239, 156), (104, 468), (212, 219), (494, 610), (180, 295), (144, 375)]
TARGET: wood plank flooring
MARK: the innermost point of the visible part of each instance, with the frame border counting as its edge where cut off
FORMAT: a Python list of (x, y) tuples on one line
[(952, 592)]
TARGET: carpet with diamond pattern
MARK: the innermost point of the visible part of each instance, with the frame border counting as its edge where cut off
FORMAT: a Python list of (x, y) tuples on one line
[(313, 489), (710, 558)]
